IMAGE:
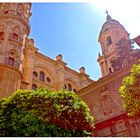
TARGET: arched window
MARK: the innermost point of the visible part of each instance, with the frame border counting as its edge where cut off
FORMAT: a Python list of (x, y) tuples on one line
[(35, 74), (11, 61), (34, 86), (74, 90), (13, 58), (42, 76), (15, 36), (69, 87), (109, 41), (48, 79)]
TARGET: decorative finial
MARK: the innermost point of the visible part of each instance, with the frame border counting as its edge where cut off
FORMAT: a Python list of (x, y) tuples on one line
[(59, 57), (82, 70), (108, 17), (106, 12)]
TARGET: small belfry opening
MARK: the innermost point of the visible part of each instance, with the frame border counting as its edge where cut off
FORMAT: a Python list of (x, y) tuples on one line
[(110, 70), (109, 41)]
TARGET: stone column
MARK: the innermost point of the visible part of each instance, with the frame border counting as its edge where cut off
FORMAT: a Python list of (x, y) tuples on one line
[(102, 68), (84, 77), (28, 62), (60, 72)]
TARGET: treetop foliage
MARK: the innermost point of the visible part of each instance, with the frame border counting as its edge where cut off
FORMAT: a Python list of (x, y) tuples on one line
[(130, 91), (44, 113)]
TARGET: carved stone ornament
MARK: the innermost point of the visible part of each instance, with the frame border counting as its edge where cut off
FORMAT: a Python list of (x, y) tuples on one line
[(16, 29), (106, 103)]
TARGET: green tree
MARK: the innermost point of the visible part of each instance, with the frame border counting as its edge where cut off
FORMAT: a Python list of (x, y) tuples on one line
[(130, 91), (45, 113)]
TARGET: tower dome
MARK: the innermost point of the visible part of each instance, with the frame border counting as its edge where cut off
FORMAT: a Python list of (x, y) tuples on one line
[(111, 24)]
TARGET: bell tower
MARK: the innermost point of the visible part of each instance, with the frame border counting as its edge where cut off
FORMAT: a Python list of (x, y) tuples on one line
[(14, 28), (112, 32)]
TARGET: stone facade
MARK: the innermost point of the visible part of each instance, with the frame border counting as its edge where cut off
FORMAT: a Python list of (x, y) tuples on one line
[(29, 68), (106, 106), (102, 95), (23, 67), (14, 26)]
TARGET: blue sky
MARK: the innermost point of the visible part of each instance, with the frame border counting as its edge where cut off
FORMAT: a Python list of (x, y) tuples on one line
[(72, 29), (69, 29)]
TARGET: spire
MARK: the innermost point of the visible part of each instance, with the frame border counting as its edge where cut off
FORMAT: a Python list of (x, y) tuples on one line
[(108, 17)]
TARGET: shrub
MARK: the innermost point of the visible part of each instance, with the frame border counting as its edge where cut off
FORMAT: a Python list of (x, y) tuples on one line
[(45, 113), (130, 92)]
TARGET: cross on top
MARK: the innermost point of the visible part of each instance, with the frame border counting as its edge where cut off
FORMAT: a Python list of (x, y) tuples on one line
[(106, 12)]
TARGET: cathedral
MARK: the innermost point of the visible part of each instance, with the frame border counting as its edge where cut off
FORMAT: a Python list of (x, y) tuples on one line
[(22, 66)]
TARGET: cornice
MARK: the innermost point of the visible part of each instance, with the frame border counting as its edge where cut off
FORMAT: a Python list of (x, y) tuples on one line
[(38, 54), (77, 73), (67, 69), (72, 71)]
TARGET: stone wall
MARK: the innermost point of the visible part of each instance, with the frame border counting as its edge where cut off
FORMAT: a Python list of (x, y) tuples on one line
[(10, 80)]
